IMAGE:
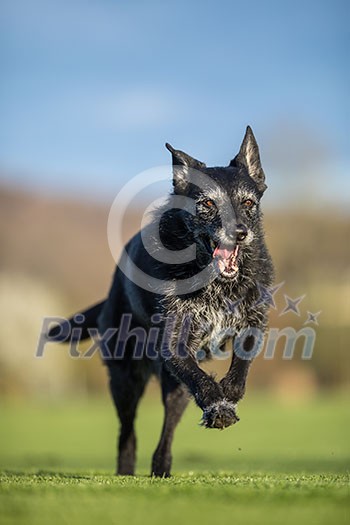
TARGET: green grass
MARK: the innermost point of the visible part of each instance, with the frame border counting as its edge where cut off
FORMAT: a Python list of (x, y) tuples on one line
[(280, 464)]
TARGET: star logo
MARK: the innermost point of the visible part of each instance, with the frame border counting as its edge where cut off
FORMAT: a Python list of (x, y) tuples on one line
[(267, 295), (292, 305), (312, 317)]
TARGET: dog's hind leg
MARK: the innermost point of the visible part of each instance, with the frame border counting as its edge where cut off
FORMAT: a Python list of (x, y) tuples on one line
[(127, 383), (175, 399)]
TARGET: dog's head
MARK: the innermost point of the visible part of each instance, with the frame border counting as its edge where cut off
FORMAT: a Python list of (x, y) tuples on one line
[(226, 219)]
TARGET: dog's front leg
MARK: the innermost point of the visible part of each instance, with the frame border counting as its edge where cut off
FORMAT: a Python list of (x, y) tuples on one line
[(208, 394), (234, 383)]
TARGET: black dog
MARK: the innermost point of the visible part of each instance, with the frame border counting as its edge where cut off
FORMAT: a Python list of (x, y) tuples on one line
[(200, 302)]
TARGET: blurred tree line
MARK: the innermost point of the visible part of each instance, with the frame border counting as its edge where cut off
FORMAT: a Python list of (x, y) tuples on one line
[(55, 260)]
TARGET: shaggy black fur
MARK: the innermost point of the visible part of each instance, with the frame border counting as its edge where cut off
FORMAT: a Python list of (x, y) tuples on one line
[(203, 313)]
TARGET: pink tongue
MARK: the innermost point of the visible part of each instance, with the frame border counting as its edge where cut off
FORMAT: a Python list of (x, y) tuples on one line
[(222, 252)]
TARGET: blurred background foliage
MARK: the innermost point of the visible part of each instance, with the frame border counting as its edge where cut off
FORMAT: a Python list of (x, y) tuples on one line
[(56, 260)]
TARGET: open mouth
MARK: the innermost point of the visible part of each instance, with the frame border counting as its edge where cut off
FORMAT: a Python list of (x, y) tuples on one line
[(226, 260)]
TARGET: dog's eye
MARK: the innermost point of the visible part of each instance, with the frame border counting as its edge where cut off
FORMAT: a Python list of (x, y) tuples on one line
[(249, 203), (209, 203)]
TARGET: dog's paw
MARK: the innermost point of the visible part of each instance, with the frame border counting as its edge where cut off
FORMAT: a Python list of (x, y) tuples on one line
[(221, 414)]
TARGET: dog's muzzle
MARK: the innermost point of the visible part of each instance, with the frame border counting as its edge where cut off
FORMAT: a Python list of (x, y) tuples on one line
[(227, 256)]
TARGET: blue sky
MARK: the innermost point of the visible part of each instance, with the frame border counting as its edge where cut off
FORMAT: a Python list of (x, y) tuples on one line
[(92, 89)]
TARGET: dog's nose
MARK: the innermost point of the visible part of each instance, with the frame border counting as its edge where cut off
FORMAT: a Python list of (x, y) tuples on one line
[(241, 232)]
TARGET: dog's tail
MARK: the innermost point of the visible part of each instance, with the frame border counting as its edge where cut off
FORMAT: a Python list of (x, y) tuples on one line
[(83, 320)]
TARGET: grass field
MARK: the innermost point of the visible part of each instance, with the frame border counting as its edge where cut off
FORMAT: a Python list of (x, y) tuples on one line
[(282, 463)]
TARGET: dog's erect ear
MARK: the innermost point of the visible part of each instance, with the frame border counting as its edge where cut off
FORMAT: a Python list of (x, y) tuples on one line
[(249, 157), (182, 163)]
